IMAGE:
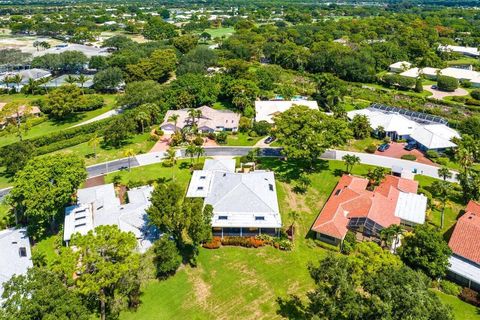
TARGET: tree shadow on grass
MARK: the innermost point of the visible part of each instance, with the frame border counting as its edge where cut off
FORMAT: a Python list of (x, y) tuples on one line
[(291, 308), (288, 170)]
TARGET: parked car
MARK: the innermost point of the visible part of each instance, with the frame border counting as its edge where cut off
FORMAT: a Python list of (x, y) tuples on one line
[(383, 147), (269, 140), (410, 146)]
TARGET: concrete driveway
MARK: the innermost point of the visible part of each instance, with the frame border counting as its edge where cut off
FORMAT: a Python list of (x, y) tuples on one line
[(396, 151), (439, 94)]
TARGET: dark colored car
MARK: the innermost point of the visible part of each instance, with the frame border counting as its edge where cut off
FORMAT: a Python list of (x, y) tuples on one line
[(269, 140), (383, 147), (410, 147)]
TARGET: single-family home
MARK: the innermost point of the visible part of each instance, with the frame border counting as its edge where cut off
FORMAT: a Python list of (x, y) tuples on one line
[(468, 51), (244, 204), (99, 205), (22, 110), (89, 51), (411, 73), (15, 255), (27, 74), (460, 74), (398, 124), (267, 110), (209, 120), (352, 207), (400, 66), (465, 244), (430, 73)]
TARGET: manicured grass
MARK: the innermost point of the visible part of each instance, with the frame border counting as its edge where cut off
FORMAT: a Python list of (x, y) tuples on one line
[(461, 309), (140, 143), (180, 173), (241, 139), (361, 145), (220, 32), (453, 208), (50, 126), (47, 248), (234, 282)]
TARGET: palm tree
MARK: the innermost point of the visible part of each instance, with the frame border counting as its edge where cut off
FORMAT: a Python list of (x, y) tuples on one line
[(36, 44), (94, 143), (31, 86), (7, 80), (129, 153), (171, 155), (174, 118), (143, 118), (444, 173), (294, 216), (71, 79), (443, 189), (199, 151), (194, 114), (350, 161), (17, 79), (191, 151), (82, 79), (464, 158)]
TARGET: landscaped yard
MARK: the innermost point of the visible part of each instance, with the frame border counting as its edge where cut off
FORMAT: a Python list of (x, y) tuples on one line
[(361, 145), (140, 143), (461, 310), (220, 32), (241, 139), (50, 126)]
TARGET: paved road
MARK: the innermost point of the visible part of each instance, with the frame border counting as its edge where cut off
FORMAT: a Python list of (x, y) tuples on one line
[(156, 157)]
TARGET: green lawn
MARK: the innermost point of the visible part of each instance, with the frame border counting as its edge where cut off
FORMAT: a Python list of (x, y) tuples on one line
[(461, 310), (220, 32), (50, 126), (361, 145), (140, 143), (180, 173), (241, 139)]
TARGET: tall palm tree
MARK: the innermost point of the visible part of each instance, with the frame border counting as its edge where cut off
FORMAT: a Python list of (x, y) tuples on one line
[(129, 153), (350, 161), (31, 86), (81, 79), (294, 216), (443, 189), (174, 118), (199, 151), (94, 143), (17, 79), (142, 118), (444, 173), (8, 80), (171, 155), (464, 158), (191, 151), (71, 79)]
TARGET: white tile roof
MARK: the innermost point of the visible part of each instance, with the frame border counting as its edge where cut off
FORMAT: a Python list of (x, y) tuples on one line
[(411, 73), (472, 51), (400, 65), (199, 184), (246, 199), (89, 51), (464, 268), (460, 74), (266, 110), (391, 122), (99, 206), (220, 164), (11, 263), (430, 71), (435, 136), (411, 207)]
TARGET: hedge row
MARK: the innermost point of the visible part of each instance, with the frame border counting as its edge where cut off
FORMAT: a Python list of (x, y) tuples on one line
[(64, 143)]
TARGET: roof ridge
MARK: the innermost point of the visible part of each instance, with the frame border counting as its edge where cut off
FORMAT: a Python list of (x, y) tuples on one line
[(241, 181)]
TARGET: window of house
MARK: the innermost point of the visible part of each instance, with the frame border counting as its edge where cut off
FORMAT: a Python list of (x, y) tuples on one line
[(203, 177), (199, 188), (222, 218), (260, 218), (22, 252), (270, 186)]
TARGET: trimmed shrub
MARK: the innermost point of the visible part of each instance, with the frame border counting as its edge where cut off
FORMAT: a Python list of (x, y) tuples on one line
[(446, 83), (410, 157), (198, 141), (450, 288), (431, 154), (475, 94), (215, 243), (371, 148)]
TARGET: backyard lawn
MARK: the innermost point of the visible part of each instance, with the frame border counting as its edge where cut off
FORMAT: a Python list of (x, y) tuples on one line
[(140, 143), (50, 126), (461, 310)]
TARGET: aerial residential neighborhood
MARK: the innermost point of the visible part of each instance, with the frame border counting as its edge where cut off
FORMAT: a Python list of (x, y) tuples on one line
[(203, 160)]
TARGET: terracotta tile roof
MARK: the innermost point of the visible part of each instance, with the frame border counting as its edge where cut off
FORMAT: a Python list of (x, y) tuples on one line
[(465, 239), (351, 199)]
